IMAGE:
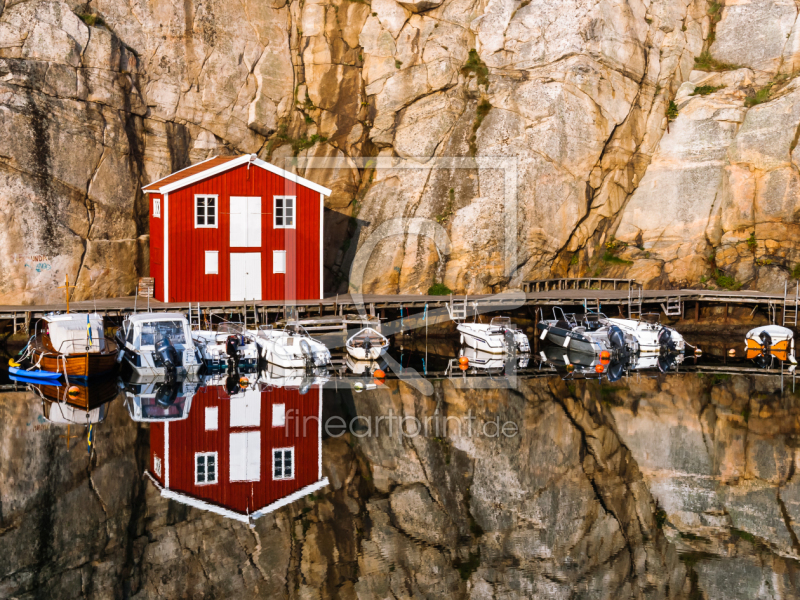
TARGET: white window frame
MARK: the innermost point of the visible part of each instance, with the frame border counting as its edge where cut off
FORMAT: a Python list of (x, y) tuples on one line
[(278, 415), (274, 453), (274, 268), (206, 455), (205, 264), (212, 418), (283, 216), (216, 211), (157, 208), (157, 466)]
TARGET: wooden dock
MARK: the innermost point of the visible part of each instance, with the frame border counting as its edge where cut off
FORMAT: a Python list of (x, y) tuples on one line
[(630, 302)]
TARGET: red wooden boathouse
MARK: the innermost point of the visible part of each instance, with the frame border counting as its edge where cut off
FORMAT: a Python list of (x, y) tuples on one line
[(236, 228), (242, 455)]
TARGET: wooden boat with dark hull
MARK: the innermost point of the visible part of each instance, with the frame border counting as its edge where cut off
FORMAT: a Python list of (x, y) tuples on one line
[(66, 346)]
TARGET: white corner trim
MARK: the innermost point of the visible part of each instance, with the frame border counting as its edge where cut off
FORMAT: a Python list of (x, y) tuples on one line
[(182, 183), (165, 266), (292, 177), (319, 436), (321, 238), (166, 454), (290, 498), (152, 183)]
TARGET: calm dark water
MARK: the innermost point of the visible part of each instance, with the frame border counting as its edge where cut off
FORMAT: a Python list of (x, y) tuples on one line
[(681, 485)]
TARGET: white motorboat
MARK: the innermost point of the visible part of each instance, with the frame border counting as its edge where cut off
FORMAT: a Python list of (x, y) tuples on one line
[(154, 344), (225, 340), (652, 338), (770, 340), (291, 347), (367, 344), (154, 399), (491, 337)]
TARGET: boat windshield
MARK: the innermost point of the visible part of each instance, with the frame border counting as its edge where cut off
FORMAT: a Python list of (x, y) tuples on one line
[(296, 329), (226, 327), (500, 321), (154, 331)]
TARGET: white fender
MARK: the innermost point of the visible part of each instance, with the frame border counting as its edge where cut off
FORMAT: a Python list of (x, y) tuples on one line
[(544, 333), (566, 342)]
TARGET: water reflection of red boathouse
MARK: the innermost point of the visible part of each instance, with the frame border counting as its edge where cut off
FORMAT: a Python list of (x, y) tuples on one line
[(236, 456)]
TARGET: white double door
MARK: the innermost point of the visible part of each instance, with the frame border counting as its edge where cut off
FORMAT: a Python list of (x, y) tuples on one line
[(245, 232)]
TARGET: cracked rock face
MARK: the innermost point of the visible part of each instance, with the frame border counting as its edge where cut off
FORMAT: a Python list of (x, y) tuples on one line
[(679, 487), (555, 111)]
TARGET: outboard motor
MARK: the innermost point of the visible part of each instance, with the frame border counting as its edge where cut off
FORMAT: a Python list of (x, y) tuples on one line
[(615, 371), (167, 393), (617, 340), (232, 350), (168, 357), (309, 355), (232, 384), (766, 343), (665, 362), (665, 340)]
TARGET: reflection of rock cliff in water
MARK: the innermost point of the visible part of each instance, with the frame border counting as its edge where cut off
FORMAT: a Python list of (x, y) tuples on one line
[(101, 97), (676, 487)]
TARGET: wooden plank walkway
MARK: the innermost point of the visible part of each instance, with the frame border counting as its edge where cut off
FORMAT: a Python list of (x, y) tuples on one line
[(345, 302)]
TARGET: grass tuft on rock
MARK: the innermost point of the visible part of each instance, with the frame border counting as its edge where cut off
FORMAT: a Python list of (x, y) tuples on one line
[(705, 90), (727, 282), (761, 96), (672, 111), (796, 271), (439, 289), (92, 20), (475, 65), (706, 62), (484, 106)]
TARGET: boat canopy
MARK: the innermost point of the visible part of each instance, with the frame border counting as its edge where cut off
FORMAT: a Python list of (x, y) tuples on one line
[(69, 334), (61, 413)]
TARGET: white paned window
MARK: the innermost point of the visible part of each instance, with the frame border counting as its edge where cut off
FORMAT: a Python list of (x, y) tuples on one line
[(278, 415), (205, 211), (205, 468), (212, 262), (283, 463), (245, 458), (157, 207), (246, 409), (157, 466), (279, 261), (212, 418), (283, 213)]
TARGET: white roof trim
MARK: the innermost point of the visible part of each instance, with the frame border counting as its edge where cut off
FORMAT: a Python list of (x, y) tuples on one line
[(305, 491), (230, 514), (231, 164), (292, 177), (152, 183)]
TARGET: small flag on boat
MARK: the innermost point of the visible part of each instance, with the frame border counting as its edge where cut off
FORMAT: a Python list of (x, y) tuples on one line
[(90, 439), (88, 330)]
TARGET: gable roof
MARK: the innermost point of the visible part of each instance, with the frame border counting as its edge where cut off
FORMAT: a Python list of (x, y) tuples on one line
[(220, 164)]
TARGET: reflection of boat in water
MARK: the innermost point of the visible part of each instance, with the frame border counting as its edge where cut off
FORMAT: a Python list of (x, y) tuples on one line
[(155, 399), (74, 344), (493, 337), (362, 367), (76, 404), (292, 347), (225, 341), (368, 344), (296, 379), (486, 361), (770, 340), (241, 456), (587, 365), (154, 344)]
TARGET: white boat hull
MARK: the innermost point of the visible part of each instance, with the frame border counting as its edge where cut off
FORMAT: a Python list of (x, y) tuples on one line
[(486, 338)]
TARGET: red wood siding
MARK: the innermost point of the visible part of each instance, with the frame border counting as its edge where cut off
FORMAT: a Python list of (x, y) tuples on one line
[(189, 436), (187, 245), (157, 248), (157, 450)]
